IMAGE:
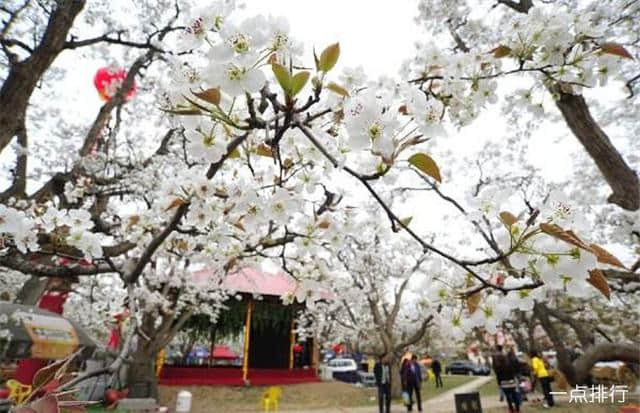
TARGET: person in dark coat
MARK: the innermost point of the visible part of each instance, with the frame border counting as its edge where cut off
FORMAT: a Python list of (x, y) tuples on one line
[(412, 379), (506, 376), (436, 367), (382, 372), (517, 369)]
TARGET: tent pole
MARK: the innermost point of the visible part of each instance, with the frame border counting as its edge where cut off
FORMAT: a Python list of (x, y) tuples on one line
[(292, 338), (247, 335)]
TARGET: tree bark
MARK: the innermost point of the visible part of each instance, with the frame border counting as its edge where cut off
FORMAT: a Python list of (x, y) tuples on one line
[(604, 352), (622, 180), (396, 387), (24, 76), (141, 373), (585, 336), (32, 290), (564, 360)]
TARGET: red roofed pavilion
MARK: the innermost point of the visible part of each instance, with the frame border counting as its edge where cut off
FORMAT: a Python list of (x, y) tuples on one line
[(266, 325)]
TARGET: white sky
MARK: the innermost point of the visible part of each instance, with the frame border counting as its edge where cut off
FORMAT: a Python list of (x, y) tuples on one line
[(376, 34)]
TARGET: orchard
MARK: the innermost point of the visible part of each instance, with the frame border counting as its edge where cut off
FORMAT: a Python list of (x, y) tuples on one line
[(218, 140)]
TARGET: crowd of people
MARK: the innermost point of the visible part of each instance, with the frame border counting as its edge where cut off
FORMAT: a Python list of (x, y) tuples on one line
[(511, 375)]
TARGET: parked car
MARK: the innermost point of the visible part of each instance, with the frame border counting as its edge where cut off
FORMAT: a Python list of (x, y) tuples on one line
[(466, 367), (342, 365), (366, 379), (341, 369)]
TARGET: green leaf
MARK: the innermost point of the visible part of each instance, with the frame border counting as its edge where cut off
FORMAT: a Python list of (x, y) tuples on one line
[(283, 76), (501, 51), (334, 87), (298, 81), (406, 221), (426, 164), (235, 154), (329, 57)]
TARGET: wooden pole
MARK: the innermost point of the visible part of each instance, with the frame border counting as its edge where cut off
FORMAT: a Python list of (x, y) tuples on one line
[(247, 336), (315, 354), (292, 339)]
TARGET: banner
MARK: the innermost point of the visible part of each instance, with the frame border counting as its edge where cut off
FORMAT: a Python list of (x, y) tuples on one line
[(53, 337)]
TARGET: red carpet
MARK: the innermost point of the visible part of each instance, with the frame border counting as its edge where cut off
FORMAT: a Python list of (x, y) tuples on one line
[(228, 376)]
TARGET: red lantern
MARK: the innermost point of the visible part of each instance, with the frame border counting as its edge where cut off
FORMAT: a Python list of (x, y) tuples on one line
[(108, 80), (337, 348), (297, 348)]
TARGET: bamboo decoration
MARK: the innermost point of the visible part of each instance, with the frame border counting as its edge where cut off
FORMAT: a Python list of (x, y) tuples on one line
[(292, 342), (247, 336)]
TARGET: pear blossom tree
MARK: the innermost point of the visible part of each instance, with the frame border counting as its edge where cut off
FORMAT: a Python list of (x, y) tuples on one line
[(243, 146), (377, 306)]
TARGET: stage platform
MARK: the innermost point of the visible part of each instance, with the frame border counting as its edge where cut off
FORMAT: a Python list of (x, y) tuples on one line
[(232, 376)]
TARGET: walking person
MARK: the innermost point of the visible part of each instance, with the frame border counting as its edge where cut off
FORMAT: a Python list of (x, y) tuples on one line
[(517, 368), (382, 372), (506, 376), (436, 367), (412, 379), (540, 373)]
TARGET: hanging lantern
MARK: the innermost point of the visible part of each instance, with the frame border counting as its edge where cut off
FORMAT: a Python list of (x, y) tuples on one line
[(108, 80)]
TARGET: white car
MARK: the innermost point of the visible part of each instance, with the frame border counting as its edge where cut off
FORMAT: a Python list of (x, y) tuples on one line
[(342, 365)]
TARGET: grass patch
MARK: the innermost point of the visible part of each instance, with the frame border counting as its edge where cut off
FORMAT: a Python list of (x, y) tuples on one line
[(565, 408), (449, 382), (490, 388), (294, 397), (324, 395)]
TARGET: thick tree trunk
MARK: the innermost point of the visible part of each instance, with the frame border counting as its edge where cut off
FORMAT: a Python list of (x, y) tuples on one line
[(24, 76), (396, 385), (622, 180), (141, 374), (564, 360), (604, 352)]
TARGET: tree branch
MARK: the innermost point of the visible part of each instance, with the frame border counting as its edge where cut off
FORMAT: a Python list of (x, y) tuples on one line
[(17, 263)]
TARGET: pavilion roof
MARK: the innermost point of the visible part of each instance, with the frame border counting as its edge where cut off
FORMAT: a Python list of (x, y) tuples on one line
[(251, 280)]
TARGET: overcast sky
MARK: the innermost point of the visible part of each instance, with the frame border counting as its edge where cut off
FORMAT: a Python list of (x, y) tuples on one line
[(376, 34)]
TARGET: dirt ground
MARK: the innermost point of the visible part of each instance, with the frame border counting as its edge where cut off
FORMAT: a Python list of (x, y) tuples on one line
[(295, 397)]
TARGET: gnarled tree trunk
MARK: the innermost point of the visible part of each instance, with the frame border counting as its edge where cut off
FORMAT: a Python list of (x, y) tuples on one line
[(141, 373), (604, 352), (622, 180), (564, 360), (23, 76), (396, 387)]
